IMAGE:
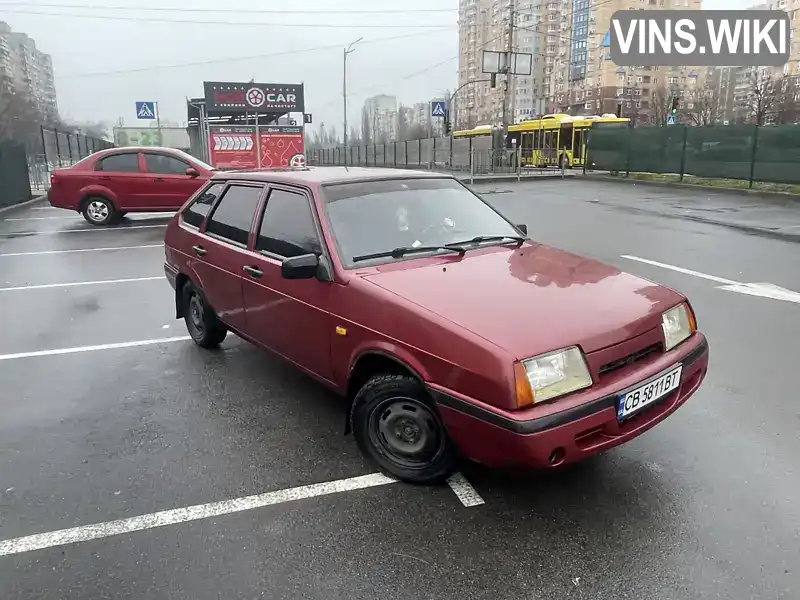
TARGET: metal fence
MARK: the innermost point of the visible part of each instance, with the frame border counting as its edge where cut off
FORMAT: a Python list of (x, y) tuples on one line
[(15, 186), (473, 156), (58, 149), (746, 152)]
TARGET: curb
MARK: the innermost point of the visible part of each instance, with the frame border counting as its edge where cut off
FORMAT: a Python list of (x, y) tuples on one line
[(22, 204), (693, 186), (511, 178)]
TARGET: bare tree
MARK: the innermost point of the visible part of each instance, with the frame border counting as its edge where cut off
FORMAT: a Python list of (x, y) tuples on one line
[(19, 119), (661, 102), (787, 109), (366, 127), (703, 106), (763, 96), (402, 123)]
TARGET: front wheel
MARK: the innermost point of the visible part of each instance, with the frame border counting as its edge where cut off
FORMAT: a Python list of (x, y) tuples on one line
[(395, 424), (203, 325), (99, 211)]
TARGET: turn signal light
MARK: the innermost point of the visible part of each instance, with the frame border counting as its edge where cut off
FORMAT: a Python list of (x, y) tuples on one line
[(522, 386)]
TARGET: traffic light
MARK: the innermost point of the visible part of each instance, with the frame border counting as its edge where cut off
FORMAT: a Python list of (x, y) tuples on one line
[(675, 104), (446, 122)]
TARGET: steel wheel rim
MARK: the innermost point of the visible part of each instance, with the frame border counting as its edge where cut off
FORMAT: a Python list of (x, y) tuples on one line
[(196, 314), (97, 210), (406, 432)]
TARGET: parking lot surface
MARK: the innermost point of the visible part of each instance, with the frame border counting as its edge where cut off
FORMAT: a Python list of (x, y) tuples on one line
[(184, 473)]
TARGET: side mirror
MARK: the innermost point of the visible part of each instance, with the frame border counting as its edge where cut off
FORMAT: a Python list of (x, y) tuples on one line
[(523, 228), (192, 172), (300, 267)]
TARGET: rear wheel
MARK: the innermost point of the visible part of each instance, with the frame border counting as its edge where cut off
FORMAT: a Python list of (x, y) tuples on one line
[(99, 211), (203, 325), (396, 425)]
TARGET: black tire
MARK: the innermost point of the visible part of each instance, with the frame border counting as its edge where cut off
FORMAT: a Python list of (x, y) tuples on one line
[(419, 449), (203, 325), (99, 211)]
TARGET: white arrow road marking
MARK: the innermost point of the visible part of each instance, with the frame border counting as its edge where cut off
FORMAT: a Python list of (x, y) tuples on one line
[(764, 290)]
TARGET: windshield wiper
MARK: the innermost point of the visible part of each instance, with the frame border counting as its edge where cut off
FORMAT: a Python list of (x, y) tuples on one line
[(403, 250), (490, 238)]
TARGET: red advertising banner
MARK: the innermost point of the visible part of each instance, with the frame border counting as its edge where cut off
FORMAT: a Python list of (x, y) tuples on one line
[(281, 146), (233, 147)]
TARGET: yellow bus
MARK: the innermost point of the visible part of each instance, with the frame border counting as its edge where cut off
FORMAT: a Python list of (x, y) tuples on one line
[(557, 139)]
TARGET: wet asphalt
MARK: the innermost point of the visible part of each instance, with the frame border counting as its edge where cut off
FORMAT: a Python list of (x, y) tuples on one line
[(706, 505)]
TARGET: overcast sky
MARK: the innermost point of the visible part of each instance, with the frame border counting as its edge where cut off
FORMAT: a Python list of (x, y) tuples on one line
[(103, 65)]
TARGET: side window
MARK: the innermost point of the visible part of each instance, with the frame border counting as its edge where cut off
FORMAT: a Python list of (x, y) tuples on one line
[(287, 227), (197, 210), (234, 213), (119, 163), (166, 165)]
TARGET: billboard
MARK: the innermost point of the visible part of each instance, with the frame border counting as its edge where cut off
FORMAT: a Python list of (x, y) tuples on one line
[(235, 148), (233, 98), (279, 144)]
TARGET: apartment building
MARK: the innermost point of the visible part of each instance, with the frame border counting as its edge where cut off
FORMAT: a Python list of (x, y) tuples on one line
[(484, 25), (380, 118), (26, 70)]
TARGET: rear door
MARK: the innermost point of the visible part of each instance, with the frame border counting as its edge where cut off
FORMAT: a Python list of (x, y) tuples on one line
[(168, 185), (220, 250), (291, 317), (120, 173)]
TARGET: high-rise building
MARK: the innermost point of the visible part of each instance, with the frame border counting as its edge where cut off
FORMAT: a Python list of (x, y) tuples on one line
[(26, 70), (584, 80), (484, 25), (380, 118)]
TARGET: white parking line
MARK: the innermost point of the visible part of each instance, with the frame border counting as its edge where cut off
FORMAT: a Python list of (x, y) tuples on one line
[(681, 270), (75, 350), (81, 250), (31, 233), (464, 490), (78, 283), (77, 216), (42, 218), (190, 513)]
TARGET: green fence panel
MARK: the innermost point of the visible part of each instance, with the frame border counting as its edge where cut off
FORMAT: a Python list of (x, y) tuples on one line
[(656, 149), (720, 152), (15, 184), (608, 149), (778, 154)]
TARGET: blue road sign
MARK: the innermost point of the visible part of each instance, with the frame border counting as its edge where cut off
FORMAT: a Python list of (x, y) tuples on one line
[(670, 119), (438, 108), (145, 110)]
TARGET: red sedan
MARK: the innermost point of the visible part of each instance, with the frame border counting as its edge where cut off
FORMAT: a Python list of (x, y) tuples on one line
[(105, 186), (449, 331)]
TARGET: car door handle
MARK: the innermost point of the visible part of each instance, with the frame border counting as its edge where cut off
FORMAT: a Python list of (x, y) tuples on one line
[(159, 179), (199, 250), (105, 178), (254, 271)]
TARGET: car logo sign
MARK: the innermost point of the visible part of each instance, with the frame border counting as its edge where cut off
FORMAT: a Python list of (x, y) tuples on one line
[(255, 97)]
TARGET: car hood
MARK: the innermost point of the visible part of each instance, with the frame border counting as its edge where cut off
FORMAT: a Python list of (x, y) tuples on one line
[(532, 299)]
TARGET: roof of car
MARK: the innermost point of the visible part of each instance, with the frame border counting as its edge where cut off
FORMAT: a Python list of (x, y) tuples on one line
[(323, 175), (117, 149)]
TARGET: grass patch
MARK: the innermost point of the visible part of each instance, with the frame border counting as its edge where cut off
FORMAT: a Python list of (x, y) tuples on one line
[(738, 184)]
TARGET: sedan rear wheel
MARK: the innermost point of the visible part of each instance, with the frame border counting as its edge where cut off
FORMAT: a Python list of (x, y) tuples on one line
[(99, 211), (395, 424), (203, 325)]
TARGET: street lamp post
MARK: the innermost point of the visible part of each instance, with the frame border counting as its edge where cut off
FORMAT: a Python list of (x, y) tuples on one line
[(347, 51)]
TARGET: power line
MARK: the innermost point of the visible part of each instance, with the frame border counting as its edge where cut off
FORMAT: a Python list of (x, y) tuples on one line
[(242, 58), (235, 23), (235, 10)]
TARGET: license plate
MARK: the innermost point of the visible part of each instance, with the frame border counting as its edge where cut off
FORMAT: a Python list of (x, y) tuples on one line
[(635, 400)]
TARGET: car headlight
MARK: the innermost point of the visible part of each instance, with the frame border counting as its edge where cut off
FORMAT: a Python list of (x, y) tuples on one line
[(678, 324), (551, 375)]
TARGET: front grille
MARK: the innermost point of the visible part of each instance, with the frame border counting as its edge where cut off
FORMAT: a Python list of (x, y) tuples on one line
[(629, 360)]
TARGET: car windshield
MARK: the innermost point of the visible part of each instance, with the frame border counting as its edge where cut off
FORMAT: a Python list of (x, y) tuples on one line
[(377, 217)]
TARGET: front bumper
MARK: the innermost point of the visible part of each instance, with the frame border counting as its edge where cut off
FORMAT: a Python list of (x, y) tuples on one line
[(567, 436)]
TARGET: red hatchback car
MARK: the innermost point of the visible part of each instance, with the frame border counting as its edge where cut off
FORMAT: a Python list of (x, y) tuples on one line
[(110, 183), (450, 332)]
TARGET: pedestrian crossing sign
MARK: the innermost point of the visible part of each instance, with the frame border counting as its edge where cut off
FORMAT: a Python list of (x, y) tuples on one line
[(670, 119), (438, 108), (145, 110)]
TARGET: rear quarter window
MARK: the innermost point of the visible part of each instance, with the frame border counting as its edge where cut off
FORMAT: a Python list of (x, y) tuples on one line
[(202, 204)]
